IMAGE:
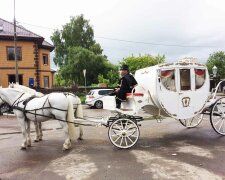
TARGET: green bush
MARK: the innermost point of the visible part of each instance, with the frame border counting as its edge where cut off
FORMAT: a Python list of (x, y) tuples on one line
[(82, 96)]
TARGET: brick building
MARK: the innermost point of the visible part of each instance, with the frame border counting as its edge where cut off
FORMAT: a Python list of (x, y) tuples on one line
[(33, 54)]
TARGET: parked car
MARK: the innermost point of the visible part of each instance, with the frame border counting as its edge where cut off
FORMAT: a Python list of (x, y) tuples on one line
[(93, 98)]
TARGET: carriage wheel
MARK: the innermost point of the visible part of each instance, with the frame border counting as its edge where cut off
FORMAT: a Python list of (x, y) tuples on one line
[(192, 122), (123, 133), (217, 116)]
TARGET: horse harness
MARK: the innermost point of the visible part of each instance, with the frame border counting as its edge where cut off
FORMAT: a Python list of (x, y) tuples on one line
[(16, 103)]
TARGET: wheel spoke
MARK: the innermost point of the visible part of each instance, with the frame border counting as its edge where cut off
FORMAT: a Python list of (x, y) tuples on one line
[(118, 138), (216, 118), (126, 123), (221, 124), (121, 124), (118, 126), (125, 140), (221, 111), (129, 126), (191, 121), (132, 132), (218, 121), (130, 139), (123, 133), (121, 141), (224, 128), (116, 134), (132, 135)]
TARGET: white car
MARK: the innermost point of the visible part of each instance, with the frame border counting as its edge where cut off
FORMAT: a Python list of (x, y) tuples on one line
[(94, 97)]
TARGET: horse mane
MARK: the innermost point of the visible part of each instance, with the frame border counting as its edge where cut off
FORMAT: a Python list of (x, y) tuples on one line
[(26, 89), (18, 90)]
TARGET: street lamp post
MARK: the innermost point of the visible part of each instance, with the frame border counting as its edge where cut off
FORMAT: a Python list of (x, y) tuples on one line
[(15, 46), (84, 71), (214, 70)]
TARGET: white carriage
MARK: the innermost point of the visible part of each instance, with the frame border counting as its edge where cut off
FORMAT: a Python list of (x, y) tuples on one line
[(179, 90)]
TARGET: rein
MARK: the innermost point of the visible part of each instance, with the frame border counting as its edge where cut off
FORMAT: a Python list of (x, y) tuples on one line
[(14, 103), (25, 112)]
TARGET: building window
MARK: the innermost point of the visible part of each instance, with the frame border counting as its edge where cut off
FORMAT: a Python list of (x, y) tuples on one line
[(12, 79), (45, 59), (46, 82), (10, 53)]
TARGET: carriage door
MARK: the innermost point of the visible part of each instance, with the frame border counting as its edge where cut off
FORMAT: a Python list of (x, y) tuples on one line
[(185, 93), (167, 92)]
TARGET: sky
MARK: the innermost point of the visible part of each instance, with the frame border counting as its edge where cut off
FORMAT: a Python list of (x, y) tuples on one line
[(175, 28)]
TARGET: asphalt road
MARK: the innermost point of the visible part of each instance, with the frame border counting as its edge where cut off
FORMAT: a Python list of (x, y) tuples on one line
[(165, 150)]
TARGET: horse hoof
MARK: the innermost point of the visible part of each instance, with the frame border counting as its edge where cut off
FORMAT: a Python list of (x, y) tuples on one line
[(65, 149), (23, 148), (36, 140), (80, 138)]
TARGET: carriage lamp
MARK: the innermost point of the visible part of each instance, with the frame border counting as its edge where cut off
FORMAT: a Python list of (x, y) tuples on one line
[(214, 70)]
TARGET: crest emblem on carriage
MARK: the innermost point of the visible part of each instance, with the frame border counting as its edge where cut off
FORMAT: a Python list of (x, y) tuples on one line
[(185, 101)]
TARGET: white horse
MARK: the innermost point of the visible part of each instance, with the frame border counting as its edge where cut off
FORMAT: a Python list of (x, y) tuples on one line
[(1, 103), (52, 106), (77, 107)]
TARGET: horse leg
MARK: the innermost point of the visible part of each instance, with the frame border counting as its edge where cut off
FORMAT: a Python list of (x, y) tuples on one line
[(67, 142), (28, 133), (22, 122), (37, 131), (81, 133), (78, 113), (40, 131)]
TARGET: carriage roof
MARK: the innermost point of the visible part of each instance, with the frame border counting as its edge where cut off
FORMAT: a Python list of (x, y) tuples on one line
[(186, 62)]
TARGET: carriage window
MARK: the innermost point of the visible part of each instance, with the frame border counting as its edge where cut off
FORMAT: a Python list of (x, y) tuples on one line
[(185, 79), (168, 79), (199, 78)]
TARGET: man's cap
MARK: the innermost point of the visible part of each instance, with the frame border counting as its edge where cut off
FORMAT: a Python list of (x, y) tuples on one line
[(124, 67)]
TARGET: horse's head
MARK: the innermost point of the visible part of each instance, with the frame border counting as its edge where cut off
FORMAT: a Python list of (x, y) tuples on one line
[(26, 89), (10, 95), (1, 101)]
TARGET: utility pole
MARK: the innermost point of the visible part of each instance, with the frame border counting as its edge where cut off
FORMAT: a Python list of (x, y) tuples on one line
[(15, 47)]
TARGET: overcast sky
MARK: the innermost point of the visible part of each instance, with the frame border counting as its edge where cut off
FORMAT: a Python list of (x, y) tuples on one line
[(181, 28)]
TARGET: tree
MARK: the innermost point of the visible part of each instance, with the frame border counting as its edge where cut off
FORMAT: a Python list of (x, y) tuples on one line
[(136, 63), (75, 50), (77, 33), (113, 75), (217, 59), (79, 58)]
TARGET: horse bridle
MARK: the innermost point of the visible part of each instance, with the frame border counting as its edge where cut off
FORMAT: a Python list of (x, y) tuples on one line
[(2, 99), (14, 103)]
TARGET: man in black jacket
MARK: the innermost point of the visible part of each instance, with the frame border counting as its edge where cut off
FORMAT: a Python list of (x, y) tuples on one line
[(126, 83)]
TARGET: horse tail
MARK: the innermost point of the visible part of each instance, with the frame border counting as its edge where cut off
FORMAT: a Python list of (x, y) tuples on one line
[(70, 119), (79, 111)]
